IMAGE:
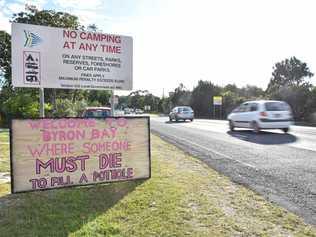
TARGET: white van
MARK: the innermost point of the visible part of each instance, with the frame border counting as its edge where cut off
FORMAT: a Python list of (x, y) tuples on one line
[(262, 114)]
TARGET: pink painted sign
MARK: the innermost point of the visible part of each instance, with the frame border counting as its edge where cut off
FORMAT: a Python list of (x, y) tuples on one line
[(55, 153)]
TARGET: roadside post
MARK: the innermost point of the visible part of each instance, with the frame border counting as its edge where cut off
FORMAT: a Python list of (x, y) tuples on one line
[(217, 101), (112, 102), (42, 102), (147, 108)]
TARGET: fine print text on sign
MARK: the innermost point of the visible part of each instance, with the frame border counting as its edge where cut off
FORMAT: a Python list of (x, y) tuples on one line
[(55, 153), (51, 57)]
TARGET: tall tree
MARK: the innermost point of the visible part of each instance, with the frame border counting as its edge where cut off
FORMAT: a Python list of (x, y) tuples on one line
[(31, 15), (180, 96), (202, 98), (5, 59), (289, 83), (289, 72)]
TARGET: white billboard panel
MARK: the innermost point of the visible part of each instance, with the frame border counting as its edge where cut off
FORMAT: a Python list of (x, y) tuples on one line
[(51, 57)]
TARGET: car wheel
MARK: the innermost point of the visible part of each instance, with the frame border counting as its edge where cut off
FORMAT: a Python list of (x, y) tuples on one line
[(255, 127), (191, 120), (231, 126), (170, 119), (285, 130)]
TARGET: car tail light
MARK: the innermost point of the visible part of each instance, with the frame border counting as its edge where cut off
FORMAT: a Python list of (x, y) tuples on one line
[(263, 114)]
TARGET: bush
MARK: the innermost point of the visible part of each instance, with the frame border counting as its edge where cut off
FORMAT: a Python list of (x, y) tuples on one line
[(66, 108)]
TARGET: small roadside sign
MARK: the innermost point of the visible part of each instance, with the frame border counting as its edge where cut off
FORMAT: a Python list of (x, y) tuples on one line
[(217, 100)]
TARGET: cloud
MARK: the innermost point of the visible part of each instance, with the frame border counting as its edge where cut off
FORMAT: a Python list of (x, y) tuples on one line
[(9, 8), (4, 23), (79, 4), (38, 3), (87, 17), (15, 7)]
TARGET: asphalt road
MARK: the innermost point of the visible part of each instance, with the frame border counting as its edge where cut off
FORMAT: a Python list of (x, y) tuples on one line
[(281, 167)]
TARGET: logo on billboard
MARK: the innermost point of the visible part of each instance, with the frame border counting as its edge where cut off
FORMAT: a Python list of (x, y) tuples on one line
[(31, 63), (31, 39)]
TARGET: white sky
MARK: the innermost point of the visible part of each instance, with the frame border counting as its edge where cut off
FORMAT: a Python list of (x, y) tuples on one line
[(224, 41)]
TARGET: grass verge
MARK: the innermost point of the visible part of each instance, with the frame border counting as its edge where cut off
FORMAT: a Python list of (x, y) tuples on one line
[(4, 152), (184, 197)]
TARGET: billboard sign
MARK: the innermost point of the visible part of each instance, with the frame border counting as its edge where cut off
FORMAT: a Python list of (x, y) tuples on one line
[(51, 57), (217, 100), (55, 153)]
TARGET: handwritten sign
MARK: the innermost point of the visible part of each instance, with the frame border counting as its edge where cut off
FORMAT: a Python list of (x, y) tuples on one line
[(54, 153)]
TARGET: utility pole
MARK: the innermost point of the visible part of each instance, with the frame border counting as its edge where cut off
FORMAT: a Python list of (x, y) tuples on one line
[(42, 102), (112, 103)]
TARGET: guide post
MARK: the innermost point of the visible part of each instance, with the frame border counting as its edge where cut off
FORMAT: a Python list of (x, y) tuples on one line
[(112, 102), (42, 102), (217, 101)]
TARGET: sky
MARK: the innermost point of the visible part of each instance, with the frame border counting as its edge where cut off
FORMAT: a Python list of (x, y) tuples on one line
[(183, 41)]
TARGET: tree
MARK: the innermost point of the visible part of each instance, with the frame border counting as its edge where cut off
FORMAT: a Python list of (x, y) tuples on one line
[(31, 15), (202, 98), (99, 96), (5, 59), (180, 96), (231, 100), (289, 72), (289, 83), (251, 92)]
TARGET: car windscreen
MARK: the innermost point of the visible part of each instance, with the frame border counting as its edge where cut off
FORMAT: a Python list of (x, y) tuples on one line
[(185, 109), (277, 106), (97, 113)]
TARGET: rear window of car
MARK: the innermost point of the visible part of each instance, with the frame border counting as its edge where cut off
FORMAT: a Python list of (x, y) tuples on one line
[(97, 113), (276, 106), (185, 109)]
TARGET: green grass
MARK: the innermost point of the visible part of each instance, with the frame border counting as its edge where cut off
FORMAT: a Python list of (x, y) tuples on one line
[(184, 197), (4, 152)]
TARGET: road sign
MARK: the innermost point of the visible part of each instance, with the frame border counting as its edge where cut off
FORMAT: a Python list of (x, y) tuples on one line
[(217, 100), (48, 57), (55, 153)]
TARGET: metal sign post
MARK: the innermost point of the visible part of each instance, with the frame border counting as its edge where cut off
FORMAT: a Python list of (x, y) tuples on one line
[(42, 102), (112, 102), (217, 101)]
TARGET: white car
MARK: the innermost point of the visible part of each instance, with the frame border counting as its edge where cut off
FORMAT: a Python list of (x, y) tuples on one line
[(262, 114), (181, 113), (96, 112), (139, 111)]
